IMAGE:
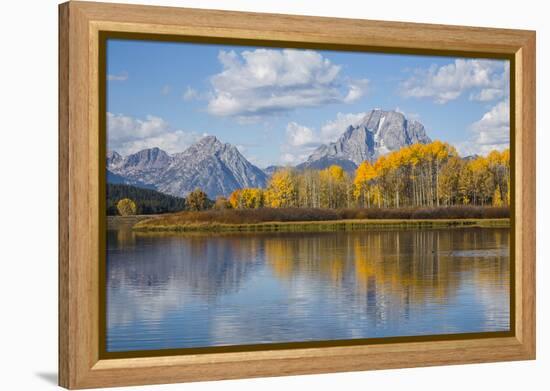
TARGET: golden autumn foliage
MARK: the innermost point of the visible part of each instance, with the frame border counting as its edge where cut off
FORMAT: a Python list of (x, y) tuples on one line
[(282, 189), (449, 181), (407, 177), (196, 200), (363, 183), (252, 198), (416, 176), (497, 199), (235, 198), (334, 186), (420, 175), (126, 207), (432, 175), (309, 189), (247, 198)]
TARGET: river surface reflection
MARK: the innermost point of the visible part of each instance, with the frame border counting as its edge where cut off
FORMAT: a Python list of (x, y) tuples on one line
[(181, 291)]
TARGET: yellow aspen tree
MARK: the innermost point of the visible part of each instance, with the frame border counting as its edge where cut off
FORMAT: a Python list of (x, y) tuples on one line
[(333, 183), (126, 207), (281, 190), (377, 196), (364, 176), (235, 199), (251, 198), (449, 181), (308, 184), (381, 168), (441, 152), (497, 198), (483, 187)]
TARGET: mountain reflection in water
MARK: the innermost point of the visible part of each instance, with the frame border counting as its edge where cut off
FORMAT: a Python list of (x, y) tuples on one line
[(180, 291)]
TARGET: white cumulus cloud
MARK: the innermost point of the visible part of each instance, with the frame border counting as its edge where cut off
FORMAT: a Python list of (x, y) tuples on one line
[(357, 89), (267, 81), (301, 141), (485, 79), (490, 132), (331, 130), (487, 94), (299, 135), (126, 134)]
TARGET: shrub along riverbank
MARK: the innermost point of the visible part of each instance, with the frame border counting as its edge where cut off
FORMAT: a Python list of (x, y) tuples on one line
[(309, 219)]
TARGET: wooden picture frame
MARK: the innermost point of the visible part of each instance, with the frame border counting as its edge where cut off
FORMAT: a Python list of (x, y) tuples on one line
[(81, 159)]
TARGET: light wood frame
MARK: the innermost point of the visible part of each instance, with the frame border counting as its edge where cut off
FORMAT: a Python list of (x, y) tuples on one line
[(80, 23)]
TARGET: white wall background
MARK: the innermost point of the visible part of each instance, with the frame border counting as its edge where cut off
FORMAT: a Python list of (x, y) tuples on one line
[(28, 164)]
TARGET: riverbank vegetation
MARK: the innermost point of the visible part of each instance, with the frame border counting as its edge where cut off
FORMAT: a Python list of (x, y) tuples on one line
[(323, 226), (306, 219), (423, 182)]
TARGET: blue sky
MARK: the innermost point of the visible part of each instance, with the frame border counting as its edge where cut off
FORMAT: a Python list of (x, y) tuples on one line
[(277, 105)]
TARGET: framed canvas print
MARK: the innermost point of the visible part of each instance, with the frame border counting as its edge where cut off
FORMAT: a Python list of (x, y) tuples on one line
[(248, 195)]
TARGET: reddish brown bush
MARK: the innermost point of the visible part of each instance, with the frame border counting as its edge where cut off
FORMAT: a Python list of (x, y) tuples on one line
[(252, 216)]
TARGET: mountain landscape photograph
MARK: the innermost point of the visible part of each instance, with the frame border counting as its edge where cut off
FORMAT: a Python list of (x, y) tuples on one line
[(275, 195)]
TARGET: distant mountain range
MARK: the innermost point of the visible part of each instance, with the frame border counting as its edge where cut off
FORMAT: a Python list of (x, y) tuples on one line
[(219, 168), (379, 133), (215, 167), (139, 169)]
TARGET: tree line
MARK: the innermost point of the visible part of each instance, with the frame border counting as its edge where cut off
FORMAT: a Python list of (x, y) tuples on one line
[(130, 200), (419, 175)]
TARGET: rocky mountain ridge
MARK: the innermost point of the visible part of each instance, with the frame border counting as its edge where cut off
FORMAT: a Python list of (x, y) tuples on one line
[(215, 167), (379, 133), (219, 168)]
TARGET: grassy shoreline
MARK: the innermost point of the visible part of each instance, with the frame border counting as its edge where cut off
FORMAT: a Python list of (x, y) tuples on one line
[(319, 226), (116, 222), (316, 219)]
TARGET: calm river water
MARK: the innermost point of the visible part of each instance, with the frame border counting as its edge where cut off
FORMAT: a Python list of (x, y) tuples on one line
[(181, 291)]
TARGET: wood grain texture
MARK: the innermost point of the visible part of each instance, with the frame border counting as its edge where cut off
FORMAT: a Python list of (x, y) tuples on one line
[(63, 220), (79, 164), (526, 194), (292, 28)]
